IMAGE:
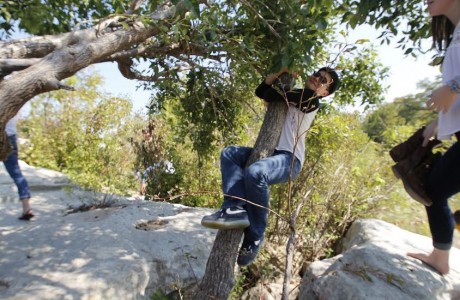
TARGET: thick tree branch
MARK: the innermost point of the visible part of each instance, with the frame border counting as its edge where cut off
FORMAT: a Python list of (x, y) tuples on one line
[(125, 69), (33, 47), (62, 56), (158, 49), (8, 66)]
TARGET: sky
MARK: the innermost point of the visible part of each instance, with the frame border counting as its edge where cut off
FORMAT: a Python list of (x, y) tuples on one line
[(118, 85), (404, 72)]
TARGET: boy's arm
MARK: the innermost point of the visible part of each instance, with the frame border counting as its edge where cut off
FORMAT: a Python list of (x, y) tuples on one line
[(267, 83), (302, 99)]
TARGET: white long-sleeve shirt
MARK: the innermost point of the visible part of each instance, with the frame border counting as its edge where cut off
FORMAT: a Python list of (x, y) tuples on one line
[(11, 126), (294, 130), (303, 106)]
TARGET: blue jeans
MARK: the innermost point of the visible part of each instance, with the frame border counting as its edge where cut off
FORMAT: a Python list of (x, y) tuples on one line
[(12, 166), (252, 183), (443, 182)]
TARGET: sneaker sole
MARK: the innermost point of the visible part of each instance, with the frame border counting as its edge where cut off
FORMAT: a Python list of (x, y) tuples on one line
[(226, 225), (409, 189)]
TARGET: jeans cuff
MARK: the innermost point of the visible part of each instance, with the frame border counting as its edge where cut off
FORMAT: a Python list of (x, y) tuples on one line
[(442, 246), (252, 236), (232, 203)]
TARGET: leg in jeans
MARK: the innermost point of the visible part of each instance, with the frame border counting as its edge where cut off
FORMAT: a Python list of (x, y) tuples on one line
[(241, 186), (442, 184), (232, 214), (12, 166), (232, 163), (257, 178)]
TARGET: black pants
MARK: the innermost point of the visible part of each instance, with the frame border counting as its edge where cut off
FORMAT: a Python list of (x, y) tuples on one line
[(443, 182)]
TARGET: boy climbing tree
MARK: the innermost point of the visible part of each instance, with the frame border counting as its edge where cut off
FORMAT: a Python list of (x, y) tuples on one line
[(245, 183)]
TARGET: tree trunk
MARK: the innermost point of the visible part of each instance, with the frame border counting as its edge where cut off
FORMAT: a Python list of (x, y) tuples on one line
[(218, 280)]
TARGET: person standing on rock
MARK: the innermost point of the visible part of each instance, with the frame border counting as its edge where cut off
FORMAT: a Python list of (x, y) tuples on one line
[(241, 183), (444, 179), (12, 166)]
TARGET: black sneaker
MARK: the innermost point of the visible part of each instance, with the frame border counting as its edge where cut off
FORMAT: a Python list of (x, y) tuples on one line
[(227, 218), (248, 252)]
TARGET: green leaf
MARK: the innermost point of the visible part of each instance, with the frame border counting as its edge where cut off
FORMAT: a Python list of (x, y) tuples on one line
[(362, 41), (436, 61), (408, 51)]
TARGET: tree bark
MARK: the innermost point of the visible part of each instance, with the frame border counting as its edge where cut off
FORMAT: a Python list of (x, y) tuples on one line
[(218, 280)]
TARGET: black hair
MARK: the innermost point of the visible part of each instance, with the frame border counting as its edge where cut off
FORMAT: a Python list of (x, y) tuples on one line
[(442, 30), (335, 79)]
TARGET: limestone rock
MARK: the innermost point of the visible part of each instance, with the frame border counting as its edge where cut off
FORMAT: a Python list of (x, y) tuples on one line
[(128, 250), (132, 249), (374, 265)]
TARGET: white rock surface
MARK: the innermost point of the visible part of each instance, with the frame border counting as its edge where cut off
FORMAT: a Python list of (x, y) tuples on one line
[(135, 248), (374, 265), (97, 254)]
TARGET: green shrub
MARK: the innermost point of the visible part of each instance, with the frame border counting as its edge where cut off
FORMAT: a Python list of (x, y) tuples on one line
[(84, 134)]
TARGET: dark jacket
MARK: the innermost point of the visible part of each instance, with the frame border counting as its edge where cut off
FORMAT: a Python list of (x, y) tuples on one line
[(303, 99)]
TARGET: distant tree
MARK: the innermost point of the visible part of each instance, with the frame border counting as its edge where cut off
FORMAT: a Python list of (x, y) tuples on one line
[(84, 134), (380, 120), (393, 122)]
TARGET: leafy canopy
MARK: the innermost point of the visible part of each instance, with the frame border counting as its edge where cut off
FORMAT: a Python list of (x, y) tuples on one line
[(244, 39), (213, 52)]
